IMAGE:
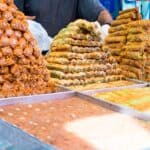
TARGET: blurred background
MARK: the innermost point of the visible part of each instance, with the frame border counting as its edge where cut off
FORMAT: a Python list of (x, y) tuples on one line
[(114, 6)]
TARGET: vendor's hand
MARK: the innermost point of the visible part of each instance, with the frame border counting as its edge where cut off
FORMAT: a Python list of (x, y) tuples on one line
[(104, 31), (30, 17)]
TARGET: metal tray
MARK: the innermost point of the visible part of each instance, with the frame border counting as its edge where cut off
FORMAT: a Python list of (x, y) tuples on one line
[(24, 140), (91, 92), (116, 107), (136, 82), (59, 89), (13, 138), (87, 95), (10, 132)]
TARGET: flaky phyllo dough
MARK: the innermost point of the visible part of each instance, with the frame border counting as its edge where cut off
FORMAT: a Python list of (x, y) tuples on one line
[(77, 58), (22, 67), (137, 49), (118, 31), (129, 43)]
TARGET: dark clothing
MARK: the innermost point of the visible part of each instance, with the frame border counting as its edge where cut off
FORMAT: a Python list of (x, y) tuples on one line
[(56, 14)]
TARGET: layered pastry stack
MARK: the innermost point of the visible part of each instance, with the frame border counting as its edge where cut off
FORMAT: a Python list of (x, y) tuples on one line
[(76, 56), (136, 54), (118, 32), (22, 68), (147, 68)]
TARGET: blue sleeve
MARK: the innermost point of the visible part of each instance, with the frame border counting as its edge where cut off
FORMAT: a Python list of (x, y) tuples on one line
[(89, 9)]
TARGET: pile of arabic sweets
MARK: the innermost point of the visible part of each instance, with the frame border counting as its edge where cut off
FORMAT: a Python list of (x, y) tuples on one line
[(118, 32), (136, 54), (76, 56), (22, 68)]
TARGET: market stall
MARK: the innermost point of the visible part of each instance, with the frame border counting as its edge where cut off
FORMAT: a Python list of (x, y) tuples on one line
[(85, 94)]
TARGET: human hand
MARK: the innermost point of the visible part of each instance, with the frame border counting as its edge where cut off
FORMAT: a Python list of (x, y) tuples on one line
[(30, 17)]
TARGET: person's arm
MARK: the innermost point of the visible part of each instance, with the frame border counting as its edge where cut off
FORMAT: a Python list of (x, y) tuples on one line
[(104, 17), (93, 10)]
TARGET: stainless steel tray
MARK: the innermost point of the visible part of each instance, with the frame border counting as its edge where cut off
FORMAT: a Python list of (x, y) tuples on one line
[(14, 130), (11, 131), (85, 96), (136, 82), (91, 92), (59, 89), (116, 107), (35, 98), (60, 96), (13, 138)]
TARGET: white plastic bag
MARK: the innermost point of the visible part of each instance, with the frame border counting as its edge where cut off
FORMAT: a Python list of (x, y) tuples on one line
[(40, 35), (103, 29)]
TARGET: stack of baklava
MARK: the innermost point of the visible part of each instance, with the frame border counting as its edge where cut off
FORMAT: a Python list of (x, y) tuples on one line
[(136, 54), (76, 57), (147, 68), (118, 32), (22, 68)]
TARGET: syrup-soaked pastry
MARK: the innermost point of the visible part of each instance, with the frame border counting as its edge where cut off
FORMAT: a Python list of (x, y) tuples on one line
[(57, 74), (85, 43), (118, 39), (119, 33), (82, 62), (85, 25), (135, 70), (57, 60), (77, 57), (135, 46), (128, 10), (137, 98), (59, 67), (95, 55), (117, 58), (137, 38), (135, 63), (68, 55), (113, 78), (114, 45), (117, 28), (135, 30), (140, 23), (78, 49), (19, 72), (115, 51), (133, 55), (76, 36), (4, 70), (129, 74), (6, 61), (131, 15), (59, 47), (113, 71), (16, 24), (120, 22)]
